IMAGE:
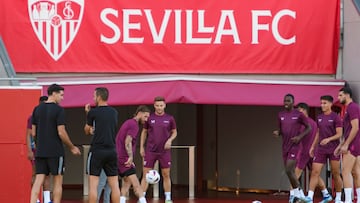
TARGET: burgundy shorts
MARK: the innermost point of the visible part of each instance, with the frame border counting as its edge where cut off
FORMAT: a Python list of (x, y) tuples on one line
[(320, 157), (164, 159), (304, 160), (290, 155), (354, 149), (122, 168)]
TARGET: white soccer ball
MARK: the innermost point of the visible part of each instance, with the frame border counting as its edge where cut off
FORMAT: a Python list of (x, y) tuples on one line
[(256, 201), (152, 177)]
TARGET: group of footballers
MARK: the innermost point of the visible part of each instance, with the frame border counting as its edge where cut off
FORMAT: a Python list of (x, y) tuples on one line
[(307, 143), (111, 151)]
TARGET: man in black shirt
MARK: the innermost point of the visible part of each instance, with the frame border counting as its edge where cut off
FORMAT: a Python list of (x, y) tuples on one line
[(48, 124), (102, 123)]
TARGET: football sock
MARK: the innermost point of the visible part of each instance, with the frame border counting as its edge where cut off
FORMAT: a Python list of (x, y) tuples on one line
[(167, 195), (142, 200), (324, 192), (311, 194), (122, 199), (47, 196), (338, 196), (348, 197)]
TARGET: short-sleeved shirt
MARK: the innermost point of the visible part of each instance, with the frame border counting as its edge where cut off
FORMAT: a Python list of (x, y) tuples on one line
[(159, 128), (327, 125), (290, 125), (104, 119), (352, 112), (129, 127), (29, 127), (308, 139), (47, 117), (29, 123)]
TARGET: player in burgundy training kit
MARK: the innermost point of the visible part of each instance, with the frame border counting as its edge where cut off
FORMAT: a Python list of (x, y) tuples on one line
[(326, 140), (291, 123), (159, 132), (125, 148), (350, 148), (304, 160)]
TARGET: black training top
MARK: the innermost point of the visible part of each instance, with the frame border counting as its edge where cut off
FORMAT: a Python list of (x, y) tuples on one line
[(47, 117), (104, 119)]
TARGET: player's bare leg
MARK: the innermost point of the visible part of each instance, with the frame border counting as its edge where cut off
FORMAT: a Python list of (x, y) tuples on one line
[(35, 190), (57, 192), (348, 164), (167, 183), (144, 184)]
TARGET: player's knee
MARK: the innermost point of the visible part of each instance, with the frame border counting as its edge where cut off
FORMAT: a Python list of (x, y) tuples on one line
[(336, 173), (289, 171), (165, 174)]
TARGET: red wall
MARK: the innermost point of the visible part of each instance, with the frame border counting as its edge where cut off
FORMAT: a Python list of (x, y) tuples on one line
[(15, 172)]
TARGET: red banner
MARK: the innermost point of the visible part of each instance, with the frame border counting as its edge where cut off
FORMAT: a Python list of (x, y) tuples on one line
[(163, 36)]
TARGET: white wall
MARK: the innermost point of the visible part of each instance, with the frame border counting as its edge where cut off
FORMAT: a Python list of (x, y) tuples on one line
[(351, 62)]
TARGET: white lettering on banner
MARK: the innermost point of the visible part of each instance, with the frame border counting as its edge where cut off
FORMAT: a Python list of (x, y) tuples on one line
[(113, 26), (222, 31), (226, 16), (274, 28), (127, 26)]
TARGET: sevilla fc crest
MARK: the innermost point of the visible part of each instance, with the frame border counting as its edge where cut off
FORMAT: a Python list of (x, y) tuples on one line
[(56, 23)]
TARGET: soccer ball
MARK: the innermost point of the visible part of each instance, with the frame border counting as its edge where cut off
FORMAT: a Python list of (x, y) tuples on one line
[(152, 177)]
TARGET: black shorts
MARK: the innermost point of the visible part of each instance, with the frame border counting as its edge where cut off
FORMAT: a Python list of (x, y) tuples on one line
[(102, 159), (127, 173), (50, 165)]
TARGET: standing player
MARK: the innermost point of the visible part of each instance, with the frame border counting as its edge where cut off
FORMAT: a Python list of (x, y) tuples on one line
[(159, 132), (48, 121), (125, 147), (326, 140), (30, 142), (102, 123), (291, 123), (350, 148), (304, 160)]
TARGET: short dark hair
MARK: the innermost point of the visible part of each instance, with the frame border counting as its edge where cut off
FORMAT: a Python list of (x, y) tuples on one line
[(159, 98), (290, 95), (346, 90), (43, 98), (54, 88), (103, 92), (142, 108), (303, 106), (327, 98)]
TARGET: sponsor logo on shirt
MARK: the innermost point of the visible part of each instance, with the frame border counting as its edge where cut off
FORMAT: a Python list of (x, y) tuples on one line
[(331, 121), (294, 118), (166, 121)]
